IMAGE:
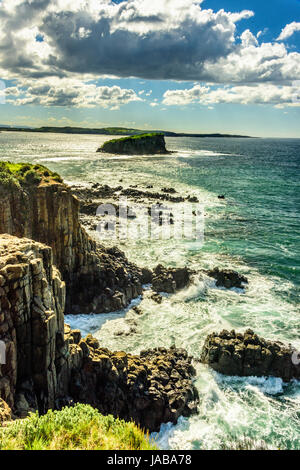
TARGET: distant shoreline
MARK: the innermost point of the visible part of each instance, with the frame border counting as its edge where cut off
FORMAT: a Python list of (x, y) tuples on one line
[(115, 131)]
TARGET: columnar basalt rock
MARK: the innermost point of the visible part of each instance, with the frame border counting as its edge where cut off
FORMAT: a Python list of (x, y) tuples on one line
[(152, 388), (48, 365), (32, 300), (98, 279), (247, 354)]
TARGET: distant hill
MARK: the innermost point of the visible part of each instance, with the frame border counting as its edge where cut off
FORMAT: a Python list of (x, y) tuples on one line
[(112, 131)]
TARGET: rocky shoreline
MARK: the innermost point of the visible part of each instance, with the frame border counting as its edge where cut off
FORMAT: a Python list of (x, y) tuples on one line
[(50, 266), (48, 365)]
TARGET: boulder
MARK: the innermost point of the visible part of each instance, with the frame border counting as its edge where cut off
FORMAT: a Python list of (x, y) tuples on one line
[(227, 278), (170, 279), (247, 354)]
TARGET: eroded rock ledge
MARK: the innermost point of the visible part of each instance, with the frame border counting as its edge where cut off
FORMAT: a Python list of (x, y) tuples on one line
[(247, 354), (48, 365)]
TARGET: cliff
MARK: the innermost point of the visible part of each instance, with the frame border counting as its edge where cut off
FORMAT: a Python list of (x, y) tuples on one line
[(58, 268), (48, 365), (142, 144), (34, 203)]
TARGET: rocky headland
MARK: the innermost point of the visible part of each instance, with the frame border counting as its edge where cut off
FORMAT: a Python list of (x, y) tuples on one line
[(140, 144), (49, 266)]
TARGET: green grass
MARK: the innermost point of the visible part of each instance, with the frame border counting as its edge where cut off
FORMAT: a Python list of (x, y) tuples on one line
[(25, 174), (133, 137), (73, 428)]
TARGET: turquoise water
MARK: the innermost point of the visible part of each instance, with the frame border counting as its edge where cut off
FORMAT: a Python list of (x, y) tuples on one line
[(255, 230)]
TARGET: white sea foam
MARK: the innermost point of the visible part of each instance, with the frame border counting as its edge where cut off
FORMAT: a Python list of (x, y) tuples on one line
[(93, 322), (267, 385), (202, 153)]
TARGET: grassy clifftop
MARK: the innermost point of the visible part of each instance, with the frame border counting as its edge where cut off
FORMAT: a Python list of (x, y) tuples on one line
[(25, 174), (134, 137), (77, 428)]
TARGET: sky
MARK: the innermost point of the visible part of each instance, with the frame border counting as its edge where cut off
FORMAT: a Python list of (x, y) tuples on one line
[(180, 65)]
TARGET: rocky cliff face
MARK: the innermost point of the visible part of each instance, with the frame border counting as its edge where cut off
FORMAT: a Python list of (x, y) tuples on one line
[(98, 279), (48, 365), (32, 299), (145, 144)]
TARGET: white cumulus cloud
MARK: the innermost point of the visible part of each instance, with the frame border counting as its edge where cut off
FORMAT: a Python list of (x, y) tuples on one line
[(70, 93), (278, 96), (288, 31), (82, 40)]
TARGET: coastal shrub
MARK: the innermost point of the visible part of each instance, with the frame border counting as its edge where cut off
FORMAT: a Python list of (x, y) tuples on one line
[(73, 428), (16, 174), (57, 177), (7, 180), (32, 177)]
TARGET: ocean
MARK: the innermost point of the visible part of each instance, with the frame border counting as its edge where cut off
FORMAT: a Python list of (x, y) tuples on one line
[(254, 230)]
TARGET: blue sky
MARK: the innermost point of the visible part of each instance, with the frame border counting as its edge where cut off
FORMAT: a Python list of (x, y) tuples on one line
[(211, 66)]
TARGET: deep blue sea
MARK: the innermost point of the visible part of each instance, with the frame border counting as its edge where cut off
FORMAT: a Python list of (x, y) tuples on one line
[(255, 230)]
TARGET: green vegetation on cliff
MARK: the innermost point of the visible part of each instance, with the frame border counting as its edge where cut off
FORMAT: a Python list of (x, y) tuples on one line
[(133, 137), (24, 174), (76, 428)]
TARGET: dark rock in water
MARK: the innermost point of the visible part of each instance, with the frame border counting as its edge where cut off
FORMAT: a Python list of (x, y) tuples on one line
[(170, 279), (227, 278), (94, 208), (221, 196), (247, 354), (137, 310), (143, 144), (169, 190), (157, 298), (147, 275), (192, 199)]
